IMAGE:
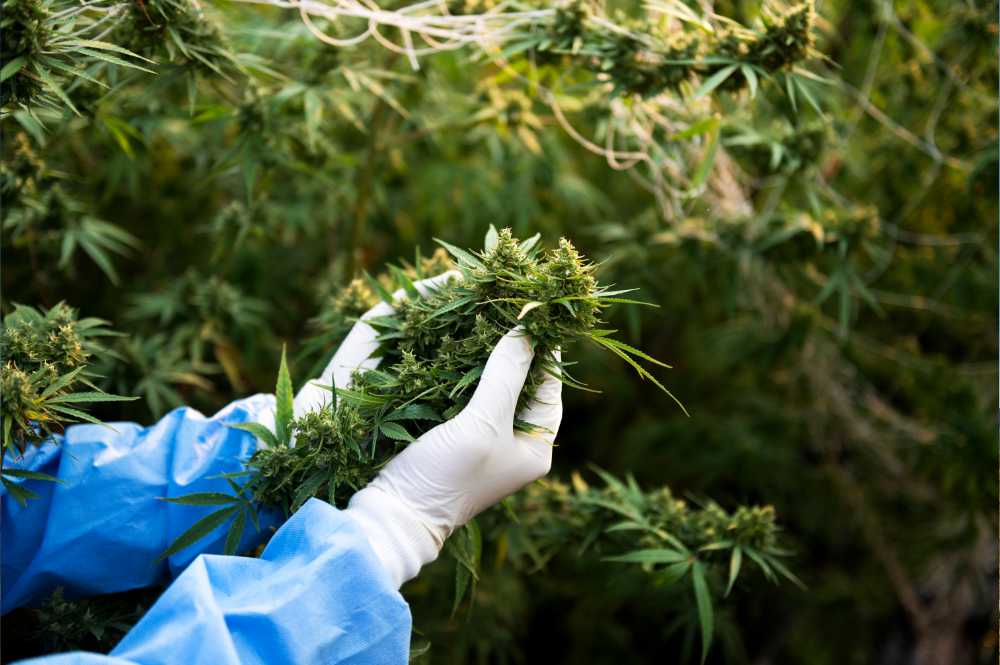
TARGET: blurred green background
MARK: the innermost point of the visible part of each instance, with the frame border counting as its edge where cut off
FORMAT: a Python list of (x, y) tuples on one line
[(827, 293)]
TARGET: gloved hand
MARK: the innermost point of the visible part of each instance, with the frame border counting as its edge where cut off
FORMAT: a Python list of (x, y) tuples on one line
[(461, 467)]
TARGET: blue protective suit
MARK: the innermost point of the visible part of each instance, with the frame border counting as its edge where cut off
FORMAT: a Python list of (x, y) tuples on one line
[(318, 594)]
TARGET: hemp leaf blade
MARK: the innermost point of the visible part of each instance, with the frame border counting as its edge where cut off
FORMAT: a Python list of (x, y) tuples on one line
[(284, 403), (198, 530), (201, 499), (650, 556), (235, 534), (704, 601), (259, 431), (396, 431)]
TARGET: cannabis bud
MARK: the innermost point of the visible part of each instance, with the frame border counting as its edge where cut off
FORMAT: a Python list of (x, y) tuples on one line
[(46, 355)]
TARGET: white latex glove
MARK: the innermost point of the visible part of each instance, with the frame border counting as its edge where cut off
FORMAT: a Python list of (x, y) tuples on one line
[(355, 351), (461, 467)]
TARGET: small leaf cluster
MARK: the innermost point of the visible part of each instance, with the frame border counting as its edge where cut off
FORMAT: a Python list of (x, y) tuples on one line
[(46, 381), (156, 368), (665, 536), (26, 35), (204, 313), (640, 59), (787, 37), (43, 215), (181, 31), (781, 148), (90, 624), (48, 47), (234, 508)]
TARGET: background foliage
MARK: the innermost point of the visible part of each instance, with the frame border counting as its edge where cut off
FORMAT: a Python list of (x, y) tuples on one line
[(824, 255)]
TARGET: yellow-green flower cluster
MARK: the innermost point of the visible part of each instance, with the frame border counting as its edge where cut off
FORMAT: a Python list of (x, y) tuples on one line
[(45, 358)]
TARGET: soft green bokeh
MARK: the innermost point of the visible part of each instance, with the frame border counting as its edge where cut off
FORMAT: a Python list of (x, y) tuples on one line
[(827, 287)]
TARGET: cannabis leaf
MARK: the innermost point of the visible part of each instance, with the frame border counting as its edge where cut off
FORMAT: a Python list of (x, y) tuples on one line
[(284, 399)]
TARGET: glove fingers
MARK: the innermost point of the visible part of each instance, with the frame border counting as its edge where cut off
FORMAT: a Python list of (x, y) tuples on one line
[(545, 410), (503, 377), (424, 287), (356, 350)]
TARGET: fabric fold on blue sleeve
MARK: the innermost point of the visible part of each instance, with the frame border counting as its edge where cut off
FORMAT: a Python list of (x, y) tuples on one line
[(102, 527), (317, 594)]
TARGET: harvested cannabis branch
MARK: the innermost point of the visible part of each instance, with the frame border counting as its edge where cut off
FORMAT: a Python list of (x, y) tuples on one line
[(433, 351)]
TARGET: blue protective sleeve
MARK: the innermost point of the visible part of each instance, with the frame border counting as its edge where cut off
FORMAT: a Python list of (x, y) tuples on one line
[(318, 594), (103, 526)]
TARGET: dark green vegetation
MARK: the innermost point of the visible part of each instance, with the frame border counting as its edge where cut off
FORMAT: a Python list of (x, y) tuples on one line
[(823, 253)]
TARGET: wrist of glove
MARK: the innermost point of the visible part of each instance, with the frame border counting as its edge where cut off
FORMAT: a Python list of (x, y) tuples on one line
[(457, 469), (397, 534)]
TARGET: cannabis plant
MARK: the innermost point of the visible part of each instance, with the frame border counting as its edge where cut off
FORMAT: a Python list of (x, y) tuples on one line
[(51, 46), (668, 539), (46, 381), (44, 217), (826, 274)]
